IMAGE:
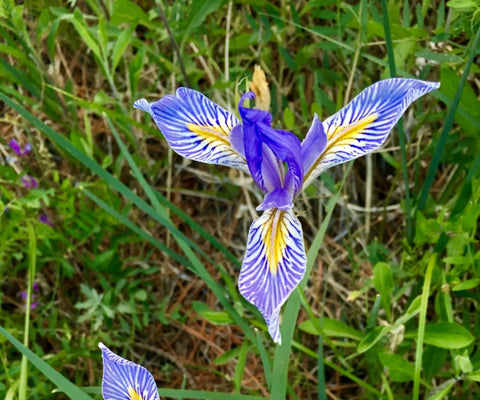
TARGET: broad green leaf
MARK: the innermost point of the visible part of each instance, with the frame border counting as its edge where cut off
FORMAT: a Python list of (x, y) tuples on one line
[(383, 282), (127, 10), (120, 45), (288, 118), (227, 356), (373, 337), (215, 317), (399, 369), (475, 376), (447, 335), (199, 10), (463, 5), (331, 328), (466, 285)]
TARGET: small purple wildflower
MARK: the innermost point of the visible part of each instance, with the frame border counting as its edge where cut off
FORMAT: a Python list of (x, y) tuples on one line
[(29, 181), (24, 295), (43, 218), (17, 149)]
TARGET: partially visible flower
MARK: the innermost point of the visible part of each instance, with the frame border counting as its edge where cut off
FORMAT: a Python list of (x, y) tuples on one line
[(125, 380), (29, 181), (43, 218), (281, 166), (17, 149)]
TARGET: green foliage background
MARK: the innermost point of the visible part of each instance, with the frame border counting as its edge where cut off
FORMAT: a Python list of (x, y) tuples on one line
[(145, 248)]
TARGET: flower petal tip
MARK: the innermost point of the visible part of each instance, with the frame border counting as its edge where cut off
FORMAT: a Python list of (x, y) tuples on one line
[(274, 264), (143, 105), (123, 379)]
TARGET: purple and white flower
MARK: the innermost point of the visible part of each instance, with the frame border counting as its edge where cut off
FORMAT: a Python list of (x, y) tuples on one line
[(281, 166), (15, 146), (125, 380)]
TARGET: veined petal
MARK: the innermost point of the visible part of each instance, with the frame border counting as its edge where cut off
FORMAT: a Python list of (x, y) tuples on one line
[(274, 264), (364, 124), (125, 380), (195, 127)]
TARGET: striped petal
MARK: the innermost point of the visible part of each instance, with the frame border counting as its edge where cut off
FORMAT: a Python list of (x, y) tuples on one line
[(362, 125), (196, 128), (125, 380), (274, 264)]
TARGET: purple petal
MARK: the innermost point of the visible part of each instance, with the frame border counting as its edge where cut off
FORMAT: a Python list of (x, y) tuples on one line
[(27, 149), (15, 146), (195, 127), (274, 264), (125, 380), (43, 218), (313, 144), (266, 149), (362, 125), (278, 198), (29, 181)]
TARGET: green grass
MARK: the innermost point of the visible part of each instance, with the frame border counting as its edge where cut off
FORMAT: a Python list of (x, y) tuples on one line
[(144, 250)]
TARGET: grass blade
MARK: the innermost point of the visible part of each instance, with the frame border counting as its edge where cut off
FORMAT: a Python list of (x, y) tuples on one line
[(452, 109), (421, 326), (401, 132), (58, 379)]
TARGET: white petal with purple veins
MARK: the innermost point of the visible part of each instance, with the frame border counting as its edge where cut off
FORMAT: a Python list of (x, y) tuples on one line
[(274, 264), (363, 124)]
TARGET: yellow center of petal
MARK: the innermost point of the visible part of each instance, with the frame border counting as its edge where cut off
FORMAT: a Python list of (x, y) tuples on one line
[(274, 235), (350, 132), (209, 132), (343, 135), (134, 394)]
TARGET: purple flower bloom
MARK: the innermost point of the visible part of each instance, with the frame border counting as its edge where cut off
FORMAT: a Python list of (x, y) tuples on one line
[(24, 295), (15, 146), (43, 218), (280, 166), (29, 181), (123, 379)]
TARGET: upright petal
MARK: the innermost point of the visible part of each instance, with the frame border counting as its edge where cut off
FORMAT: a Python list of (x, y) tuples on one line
[(364, 124), (266, 149), (125, 380), (195, 127), (274, 264)]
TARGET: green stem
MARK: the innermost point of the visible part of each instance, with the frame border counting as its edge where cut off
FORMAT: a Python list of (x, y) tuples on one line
[(401, 132), (421, 326), (32, 253)]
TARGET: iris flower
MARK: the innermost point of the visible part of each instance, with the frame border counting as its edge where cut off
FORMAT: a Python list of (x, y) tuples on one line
[(281, 166), (125, 380)]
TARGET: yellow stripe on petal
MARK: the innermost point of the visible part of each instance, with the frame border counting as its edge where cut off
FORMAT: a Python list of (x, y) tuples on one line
[(362, 126), (211, 133), (349, 132), (274, 236), (134, 394), (273, 265)]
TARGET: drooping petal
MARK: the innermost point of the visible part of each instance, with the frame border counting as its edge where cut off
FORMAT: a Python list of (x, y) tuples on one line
[(125, 380), (362, 125), (195, 127), (274, 264), (266, 149)]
